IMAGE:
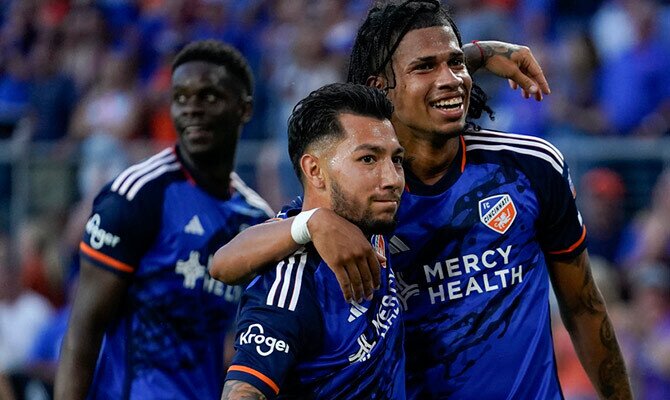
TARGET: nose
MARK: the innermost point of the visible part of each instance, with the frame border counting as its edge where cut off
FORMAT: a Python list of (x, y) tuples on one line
[(192, 106), (392, 177), (447, 79)]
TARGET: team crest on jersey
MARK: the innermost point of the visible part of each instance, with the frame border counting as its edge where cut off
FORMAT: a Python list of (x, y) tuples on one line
[(497, 212), (379, 244)]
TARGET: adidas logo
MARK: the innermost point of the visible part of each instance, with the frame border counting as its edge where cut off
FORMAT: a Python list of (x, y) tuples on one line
[(396, 245), (356, 311), (194, 227)]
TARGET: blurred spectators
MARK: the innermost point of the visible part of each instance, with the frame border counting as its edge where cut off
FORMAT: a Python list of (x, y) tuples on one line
[(92, 78), (601, 198)]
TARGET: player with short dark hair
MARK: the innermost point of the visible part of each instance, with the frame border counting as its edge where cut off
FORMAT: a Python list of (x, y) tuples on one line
[(148, 322), (297, 336), (486, 221)]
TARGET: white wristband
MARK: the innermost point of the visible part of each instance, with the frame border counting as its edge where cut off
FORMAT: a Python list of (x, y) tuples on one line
[(299, 231)]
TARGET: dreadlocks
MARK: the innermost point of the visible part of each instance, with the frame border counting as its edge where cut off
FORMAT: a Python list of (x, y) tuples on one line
[(383, 30)]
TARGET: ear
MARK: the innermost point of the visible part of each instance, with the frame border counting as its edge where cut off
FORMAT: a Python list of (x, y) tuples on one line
[(312, 172), (246, 109), (376, 81)]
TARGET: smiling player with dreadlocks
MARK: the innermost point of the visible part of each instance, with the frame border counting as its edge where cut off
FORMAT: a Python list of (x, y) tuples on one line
[(486, 221)]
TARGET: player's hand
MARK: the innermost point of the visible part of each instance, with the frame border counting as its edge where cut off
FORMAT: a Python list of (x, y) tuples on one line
[(347, 252), (518, 65)]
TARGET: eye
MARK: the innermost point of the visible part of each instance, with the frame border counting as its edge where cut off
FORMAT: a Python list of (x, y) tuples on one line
[(398, 160), (457, 62), (367, 159), (179, 99), (423, 67), (211, 98)]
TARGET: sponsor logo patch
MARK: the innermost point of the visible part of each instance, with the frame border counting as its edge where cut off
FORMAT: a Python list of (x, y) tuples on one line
[(265, 345), (98, 236), (497, 212), (379, 244)]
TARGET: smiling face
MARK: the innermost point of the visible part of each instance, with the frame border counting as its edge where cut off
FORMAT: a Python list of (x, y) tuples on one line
[(364, 173), (208, 109), (432, 84)]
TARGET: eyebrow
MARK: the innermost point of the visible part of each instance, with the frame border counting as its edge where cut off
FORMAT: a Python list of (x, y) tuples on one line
[(432, 58), (377, 149)]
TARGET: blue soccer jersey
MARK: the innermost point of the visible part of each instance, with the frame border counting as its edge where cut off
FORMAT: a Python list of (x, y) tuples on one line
[(471, 255), (298, 338), (155, 227)]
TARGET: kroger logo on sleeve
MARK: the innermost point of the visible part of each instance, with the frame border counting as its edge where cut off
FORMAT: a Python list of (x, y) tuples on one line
[(265, 345), (98, 236)]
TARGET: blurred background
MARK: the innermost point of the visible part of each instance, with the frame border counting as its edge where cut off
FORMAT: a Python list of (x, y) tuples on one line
[(85, 91)]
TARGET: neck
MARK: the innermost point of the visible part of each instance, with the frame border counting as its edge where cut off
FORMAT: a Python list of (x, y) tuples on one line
[(429, 158), (211, 174)]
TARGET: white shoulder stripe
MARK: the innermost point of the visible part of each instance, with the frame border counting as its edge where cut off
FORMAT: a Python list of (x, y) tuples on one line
[(288, 283), (510, 141), (281, 303), (137, 175), (298, 283), (550, 147), (150, 176), (275, 284), (122, 177), (252, 197), (521, 150)]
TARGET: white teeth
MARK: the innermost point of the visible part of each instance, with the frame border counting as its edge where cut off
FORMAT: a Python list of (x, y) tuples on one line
[(455, 101)]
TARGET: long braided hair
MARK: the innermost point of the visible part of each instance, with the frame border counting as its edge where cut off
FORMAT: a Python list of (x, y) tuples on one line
[(381, 33)]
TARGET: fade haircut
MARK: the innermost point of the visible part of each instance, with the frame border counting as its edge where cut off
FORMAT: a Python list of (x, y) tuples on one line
[(315, 117), (218, 53), (382, 31)]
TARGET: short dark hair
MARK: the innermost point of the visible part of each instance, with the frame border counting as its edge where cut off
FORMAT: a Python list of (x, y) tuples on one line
[(382, 31), (316, 116), (218, 53)]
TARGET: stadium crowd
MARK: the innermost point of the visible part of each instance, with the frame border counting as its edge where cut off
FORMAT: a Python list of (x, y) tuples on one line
[(85, 85)]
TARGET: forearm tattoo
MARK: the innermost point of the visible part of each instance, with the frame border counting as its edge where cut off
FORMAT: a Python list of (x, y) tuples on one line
[(612, 379), (612, 376), (491, 50), (237, 390)]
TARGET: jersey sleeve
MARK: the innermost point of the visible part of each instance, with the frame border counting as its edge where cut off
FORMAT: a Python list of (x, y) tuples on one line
[(278, 322), (561, 231), (119, 231)]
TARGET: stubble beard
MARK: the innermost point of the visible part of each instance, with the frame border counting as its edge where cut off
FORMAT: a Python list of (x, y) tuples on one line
[(358, 214)]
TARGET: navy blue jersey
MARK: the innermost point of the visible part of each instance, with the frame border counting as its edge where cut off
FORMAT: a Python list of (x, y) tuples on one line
[(154, 226), (298, 338), (471, 258)]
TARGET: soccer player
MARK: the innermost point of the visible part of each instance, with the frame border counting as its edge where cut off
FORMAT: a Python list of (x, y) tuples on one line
[(487, 219), (296, 333), (146, 309)]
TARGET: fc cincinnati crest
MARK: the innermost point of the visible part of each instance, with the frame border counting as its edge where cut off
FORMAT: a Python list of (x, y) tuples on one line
[(379, 245), (497, 212)]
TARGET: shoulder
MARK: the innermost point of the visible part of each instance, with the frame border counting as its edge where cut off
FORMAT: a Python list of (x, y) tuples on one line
[(250, 197), (288, 282), (503, 146), (147, 178)]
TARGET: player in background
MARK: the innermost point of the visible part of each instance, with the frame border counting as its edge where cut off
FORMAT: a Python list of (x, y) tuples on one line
[(486, 221), (148, 322), (296, 334)]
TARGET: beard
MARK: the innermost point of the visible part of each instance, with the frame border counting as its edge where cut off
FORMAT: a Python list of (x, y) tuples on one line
[(358, 214)]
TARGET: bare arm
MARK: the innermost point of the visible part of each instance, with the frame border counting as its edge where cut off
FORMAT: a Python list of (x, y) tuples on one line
[(585, 317), (340, 243), (99, 294), (238, 390), (511, 61)]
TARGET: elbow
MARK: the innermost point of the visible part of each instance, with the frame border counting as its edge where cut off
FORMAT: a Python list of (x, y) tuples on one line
[(222, 269)]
